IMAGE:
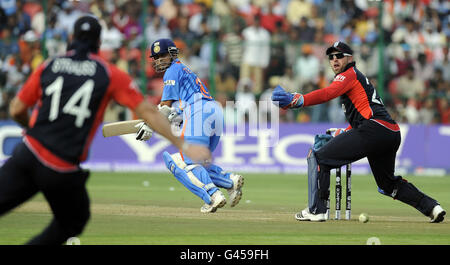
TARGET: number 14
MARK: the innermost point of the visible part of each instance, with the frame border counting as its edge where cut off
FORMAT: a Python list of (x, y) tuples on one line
[(83, 94)]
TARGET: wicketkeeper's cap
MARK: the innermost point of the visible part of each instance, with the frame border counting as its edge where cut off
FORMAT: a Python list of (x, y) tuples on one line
[(163, 46), (340, 47)]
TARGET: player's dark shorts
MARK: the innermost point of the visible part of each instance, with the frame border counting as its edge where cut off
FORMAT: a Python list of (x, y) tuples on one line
[(23, 175), (372, 140)]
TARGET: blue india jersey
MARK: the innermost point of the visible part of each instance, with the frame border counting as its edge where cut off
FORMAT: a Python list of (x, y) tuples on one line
[(183, 85), (202, 115)]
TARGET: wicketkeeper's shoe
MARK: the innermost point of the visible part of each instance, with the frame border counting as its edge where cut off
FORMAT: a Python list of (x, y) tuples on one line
[(305, 215), (217, 201), (235, 193), (437, 214)]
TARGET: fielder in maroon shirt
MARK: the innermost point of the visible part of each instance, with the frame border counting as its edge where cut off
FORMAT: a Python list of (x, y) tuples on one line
[(372, 133)]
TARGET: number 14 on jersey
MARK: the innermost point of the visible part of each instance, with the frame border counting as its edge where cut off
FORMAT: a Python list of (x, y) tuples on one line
[(82, 96)]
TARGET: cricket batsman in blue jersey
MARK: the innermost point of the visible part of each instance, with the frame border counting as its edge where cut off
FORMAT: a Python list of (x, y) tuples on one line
[(187, 101)]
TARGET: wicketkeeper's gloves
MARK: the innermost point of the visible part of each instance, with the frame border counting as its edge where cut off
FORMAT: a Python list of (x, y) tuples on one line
[(285, 99), (336, 131), (320, 140)]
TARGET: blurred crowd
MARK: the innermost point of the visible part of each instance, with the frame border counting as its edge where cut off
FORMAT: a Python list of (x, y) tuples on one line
[(243, 48)]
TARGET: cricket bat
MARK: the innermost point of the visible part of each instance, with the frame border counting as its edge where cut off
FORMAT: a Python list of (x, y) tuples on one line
[(120, 127)]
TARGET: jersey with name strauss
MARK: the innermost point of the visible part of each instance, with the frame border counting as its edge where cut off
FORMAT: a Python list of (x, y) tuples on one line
[(71, 93)]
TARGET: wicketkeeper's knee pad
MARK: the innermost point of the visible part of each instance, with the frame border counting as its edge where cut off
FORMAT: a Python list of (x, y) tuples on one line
[(318, 185), (320, 175), (193, 177), (219, 177)]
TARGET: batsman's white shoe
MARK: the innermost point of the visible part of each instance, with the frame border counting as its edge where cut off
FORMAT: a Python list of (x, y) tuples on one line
[(437, 214), (305, 215), (235, 193), (217, 201)]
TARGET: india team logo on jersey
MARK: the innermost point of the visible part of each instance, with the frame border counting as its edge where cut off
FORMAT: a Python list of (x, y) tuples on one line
[(339, 78)]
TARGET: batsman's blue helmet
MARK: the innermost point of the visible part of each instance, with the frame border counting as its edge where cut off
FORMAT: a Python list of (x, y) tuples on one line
[(163, 46)]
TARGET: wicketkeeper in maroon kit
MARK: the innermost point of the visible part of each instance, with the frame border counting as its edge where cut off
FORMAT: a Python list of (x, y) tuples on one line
[(372, 133), (69, 95)]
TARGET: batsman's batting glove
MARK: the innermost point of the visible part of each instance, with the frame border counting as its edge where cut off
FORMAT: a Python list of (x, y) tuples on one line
[(285, 99), (175, 116), (165, 110), (172, 114), (335, 131), (144, 132)]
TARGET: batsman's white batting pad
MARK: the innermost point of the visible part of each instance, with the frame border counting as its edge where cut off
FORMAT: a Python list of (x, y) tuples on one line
[(197, 182), (187, 168)]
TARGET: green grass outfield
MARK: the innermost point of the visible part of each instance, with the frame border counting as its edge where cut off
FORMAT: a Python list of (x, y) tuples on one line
[(154, 208)]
